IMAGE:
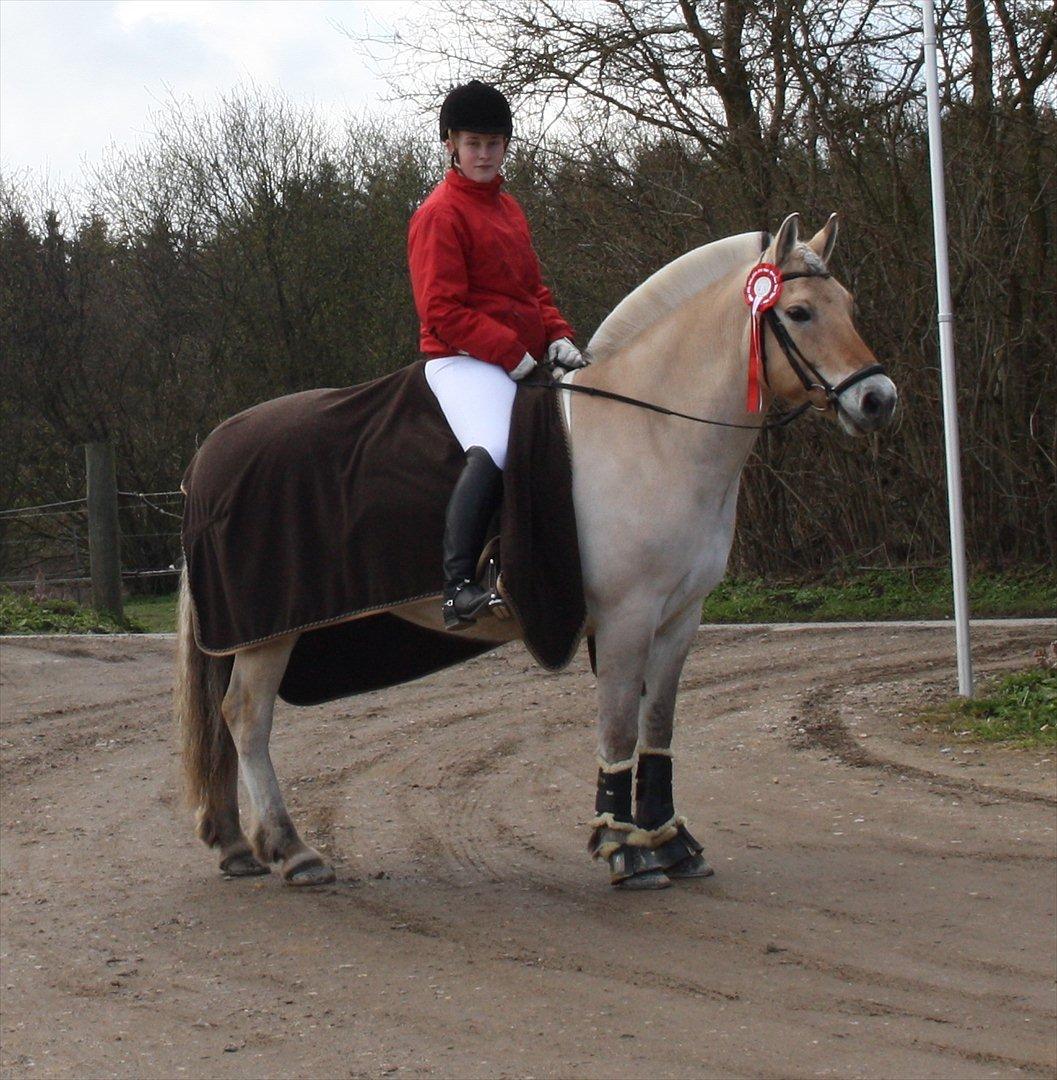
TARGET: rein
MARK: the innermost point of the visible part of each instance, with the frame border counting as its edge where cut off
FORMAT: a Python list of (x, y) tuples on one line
[(594, 391)]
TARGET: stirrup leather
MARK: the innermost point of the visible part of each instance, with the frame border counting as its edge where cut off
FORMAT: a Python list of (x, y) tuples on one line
[(490, 577)]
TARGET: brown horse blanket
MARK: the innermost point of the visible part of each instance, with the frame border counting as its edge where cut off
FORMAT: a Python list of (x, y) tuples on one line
[(318, 511)]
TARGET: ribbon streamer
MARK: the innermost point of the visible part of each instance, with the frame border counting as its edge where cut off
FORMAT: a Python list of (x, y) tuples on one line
[(763, 287)]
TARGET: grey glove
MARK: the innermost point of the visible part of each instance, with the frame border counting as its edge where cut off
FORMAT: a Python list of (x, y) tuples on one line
[(564, 353), (526, 367)]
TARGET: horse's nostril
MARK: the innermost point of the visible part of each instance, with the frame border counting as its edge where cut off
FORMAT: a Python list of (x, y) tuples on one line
[(871, 404)]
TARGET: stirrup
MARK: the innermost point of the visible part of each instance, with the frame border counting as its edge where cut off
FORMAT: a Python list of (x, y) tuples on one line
[(458, 616), (488, 578)]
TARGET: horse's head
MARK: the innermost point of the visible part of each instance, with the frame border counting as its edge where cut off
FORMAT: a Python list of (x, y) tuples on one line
[(814, 353)]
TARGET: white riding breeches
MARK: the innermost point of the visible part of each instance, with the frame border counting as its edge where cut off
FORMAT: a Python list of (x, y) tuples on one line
[(477, 399)]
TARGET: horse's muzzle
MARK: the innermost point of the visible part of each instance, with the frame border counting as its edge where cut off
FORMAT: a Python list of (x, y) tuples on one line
[(868, 405)]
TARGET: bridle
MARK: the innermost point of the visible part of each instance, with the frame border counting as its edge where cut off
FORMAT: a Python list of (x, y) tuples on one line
[(797, 361)]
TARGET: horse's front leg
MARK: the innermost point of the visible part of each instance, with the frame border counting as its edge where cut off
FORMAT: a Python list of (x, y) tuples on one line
[(248, 706), (622, 647), (677, 852)]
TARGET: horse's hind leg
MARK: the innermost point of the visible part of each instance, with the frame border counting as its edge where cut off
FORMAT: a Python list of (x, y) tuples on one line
[(218, 816), (209, 756), (248, 707), (677, 851)]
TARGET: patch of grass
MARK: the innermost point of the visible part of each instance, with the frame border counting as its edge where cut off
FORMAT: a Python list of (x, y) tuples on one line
[(851, 596), (1020, 710), (154, 614), (21, 614), (882, 594)]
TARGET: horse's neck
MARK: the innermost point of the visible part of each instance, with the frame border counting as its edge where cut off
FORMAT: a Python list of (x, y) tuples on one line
[(660, 491), (693, 360)]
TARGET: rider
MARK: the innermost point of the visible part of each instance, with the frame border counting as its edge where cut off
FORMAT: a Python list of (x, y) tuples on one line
[(486, 320)]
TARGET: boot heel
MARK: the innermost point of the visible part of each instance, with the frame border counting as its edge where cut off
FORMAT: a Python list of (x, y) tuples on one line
[(463, 608)]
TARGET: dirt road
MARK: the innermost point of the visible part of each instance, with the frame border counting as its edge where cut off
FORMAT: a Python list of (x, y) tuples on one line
[(883, 905)]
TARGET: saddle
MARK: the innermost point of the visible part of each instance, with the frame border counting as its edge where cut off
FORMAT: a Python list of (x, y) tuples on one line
[(321, 511)]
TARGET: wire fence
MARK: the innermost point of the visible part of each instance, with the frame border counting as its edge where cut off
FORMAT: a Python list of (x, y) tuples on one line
[(46, 546)]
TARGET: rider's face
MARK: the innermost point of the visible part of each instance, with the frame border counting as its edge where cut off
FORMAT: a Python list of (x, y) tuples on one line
[(479, 156)]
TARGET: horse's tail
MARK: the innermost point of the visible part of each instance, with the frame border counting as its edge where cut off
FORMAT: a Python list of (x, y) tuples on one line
[(209, 755)]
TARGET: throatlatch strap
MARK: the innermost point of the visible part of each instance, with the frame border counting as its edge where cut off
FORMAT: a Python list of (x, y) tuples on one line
[(654, 803), (614, 795)]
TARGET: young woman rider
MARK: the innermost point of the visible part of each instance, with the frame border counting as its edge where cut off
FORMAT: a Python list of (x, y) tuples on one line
[(486, 320)]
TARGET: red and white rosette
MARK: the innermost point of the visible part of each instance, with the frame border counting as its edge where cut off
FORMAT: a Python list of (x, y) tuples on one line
[(762, 289)]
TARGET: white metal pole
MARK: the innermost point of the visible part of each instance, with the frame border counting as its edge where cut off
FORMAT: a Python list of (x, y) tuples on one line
[(946, 320)]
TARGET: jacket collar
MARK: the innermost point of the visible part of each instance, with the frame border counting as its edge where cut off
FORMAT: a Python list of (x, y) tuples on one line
[(489, 191)]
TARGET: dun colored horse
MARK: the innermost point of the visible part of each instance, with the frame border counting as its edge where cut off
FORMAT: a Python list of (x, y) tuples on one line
[(655, 499)]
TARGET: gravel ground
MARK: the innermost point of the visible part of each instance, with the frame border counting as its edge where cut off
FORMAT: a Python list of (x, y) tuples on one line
[(883, 904)]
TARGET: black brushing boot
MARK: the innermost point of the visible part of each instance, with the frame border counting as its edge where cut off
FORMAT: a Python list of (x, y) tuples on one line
[(470, 509), (678, 853), (613, 836)]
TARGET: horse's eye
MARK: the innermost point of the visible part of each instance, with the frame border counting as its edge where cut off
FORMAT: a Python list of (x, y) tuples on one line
[(799, 314)]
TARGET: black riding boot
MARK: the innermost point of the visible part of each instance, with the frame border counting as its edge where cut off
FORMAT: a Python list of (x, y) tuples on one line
[(470, 509)]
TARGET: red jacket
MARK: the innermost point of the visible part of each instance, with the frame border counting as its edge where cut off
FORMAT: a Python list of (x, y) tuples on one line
[(476, 278)]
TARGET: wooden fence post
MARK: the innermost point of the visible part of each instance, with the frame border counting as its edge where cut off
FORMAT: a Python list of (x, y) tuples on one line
[(104, 531)]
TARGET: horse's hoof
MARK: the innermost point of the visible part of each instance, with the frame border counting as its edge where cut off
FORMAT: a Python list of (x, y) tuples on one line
[(311, 871), (242, 864), (646, 880), (694, 866)]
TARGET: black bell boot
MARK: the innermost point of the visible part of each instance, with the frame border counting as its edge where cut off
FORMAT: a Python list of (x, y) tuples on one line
[(470, 509)]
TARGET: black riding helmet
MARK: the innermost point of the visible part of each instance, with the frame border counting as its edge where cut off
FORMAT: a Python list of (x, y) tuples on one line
[(476, 106)]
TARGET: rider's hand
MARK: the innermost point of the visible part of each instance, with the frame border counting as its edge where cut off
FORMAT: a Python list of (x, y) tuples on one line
[(564, 353), (526, 367)]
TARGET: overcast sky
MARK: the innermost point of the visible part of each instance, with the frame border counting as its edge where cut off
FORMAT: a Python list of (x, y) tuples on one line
[(76, 75)]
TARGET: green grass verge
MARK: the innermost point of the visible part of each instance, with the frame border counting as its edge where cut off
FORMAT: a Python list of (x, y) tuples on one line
[(1020, 710), (881, 594), (21, 614), (866, 596), (155, 614)]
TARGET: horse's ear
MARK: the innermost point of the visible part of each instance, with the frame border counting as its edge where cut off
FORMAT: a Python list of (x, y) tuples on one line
[(786, 239), (822, 242)]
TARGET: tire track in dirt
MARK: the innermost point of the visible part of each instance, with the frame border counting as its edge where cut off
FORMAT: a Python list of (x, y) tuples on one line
[(822, 729), (56, 746)]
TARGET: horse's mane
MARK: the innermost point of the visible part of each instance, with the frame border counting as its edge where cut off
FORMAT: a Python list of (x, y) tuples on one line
[(667, 288)]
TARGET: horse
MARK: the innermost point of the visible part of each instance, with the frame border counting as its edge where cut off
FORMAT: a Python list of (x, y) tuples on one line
[(655, 498)]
